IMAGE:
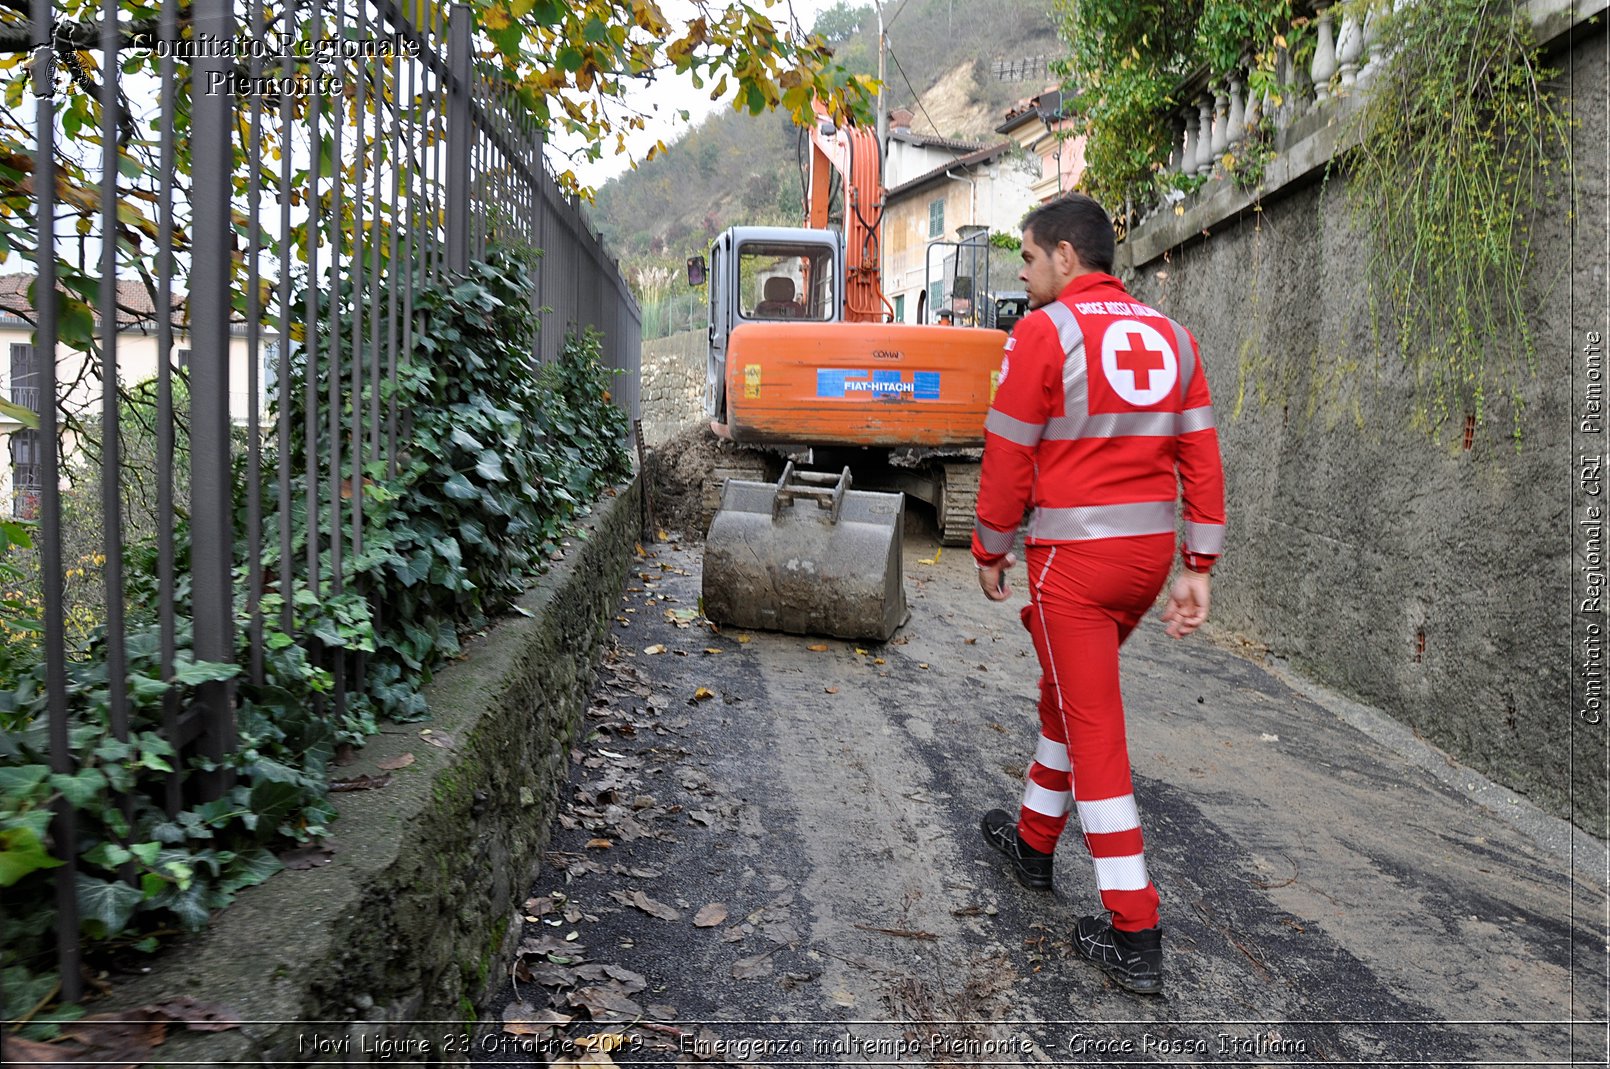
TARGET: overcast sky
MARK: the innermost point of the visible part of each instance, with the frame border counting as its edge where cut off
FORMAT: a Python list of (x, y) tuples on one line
[(671, 93)]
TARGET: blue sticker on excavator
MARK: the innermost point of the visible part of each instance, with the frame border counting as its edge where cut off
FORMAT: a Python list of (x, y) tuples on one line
[(852, 382)]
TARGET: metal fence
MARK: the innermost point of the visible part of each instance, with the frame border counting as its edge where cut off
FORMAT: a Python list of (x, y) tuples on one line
[(350, 142)]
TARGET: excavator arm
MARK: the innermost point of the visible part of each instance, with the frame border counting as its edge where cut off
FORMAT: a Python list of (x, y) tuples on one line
[(854, 154)]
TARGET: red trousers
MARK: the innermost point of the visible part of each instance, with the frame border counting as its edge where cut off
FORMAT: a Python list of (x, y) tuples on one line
[(1084, 600)]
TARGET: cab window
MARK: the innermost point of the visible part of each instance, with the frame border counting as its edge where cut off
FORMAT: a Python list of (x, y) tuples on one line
[(779, 281)]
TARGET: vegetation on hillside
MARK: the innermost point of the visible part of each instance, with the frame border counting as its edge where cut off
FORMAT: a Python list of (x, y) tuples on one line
[(739, 168)]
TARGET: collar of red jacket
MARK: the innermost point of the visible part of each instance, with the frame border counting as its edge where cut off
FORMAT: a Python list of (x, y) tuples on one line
[(1089, 282)]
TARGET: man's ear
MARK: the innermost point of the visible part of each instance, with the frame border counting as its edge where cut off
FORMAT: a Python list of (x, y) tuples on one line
[(1067, 259)]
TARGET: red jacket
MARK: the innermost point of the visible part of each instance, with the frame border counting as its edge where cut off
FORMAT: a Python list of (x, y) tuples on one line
[(1094, 412)]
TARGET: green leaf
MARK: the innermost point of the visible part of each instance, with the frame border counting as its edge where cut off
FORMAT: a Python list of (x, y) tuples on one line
[(21, 852), (16, 781), (459, 488), (249, 868), (107, 903), (490, 467), (107, 855), (81, 788), (23, 415), (198, 672), (147, 852)]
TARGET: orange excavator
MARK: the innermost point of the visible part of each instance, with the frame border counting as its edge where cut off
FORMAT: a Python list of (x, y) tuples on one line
[(849, 410)]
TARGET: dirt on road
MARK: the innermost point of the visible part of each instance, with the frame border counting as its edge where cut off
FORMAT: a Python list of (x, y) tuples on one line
[(770, 855)]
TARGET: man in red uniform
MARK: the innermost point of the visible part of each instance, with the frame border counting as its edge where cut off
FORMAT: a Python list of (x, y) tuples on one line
[(1101, 412)]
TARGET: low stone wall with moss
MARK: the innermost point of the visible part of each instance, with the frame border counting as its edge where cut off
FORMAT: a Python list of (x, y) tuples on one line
[(413, 910)]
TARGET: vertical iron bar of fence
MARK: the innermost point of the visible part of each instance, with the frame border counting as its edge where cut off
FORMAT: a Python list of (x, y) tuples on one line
[(64, 822), (460, 137), (360, 242), (111, 454), (438, 129), (385, 223), (310, 318), (167, 644), (254, 316), (411, 238), (282, 381), (212, 540), (333, 399), (393, 281)]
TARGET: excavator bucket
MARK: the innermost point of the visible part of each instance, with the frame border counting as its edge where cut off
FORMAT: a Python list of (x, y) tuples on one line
[(807, 555)]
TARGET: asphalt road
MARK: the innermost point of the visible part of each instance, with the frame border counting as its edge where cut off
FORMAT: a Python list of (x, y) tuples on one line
[(789, 871)]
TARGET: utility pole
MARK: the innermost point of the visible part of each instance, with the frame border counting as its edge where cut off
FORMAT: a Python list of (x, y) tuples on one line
[(883, 113)]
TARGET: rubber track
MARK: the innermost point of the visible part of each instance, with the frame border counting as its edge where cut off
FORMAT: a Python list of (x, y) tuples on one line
[(960, 498)]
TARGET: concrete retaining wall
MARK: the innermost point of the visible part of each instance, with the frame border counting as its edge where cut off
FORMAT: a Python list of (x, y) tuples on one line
[(1428, 580), (411, 919), (673, 383)]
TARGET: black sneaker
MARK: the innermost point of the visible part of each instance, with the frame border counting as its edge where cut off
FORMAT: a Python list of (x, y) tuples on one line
[(1030, 866), (1133, 959)]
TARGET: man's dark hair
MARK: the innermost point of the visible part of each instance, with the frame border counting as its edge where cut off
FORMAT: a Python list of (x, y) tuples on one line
[(1081, 222)]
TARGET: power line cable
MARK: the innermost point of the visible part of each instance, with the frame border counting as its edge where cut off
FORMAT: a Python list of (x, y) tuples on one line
[(913, 92)]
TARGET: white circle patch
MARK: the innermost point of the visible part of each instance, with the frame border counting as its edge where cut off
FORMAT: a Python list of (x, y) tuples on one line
[(1139, 362)]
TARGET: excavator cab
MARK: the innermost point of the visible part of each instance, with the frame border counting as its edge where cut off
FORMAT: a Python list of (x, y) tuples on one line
[(767, 274)]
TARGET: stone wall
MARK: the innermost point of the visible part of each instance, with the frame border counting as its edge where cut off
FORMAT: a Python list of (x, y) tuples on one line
[(673, 383), (1428, 579)]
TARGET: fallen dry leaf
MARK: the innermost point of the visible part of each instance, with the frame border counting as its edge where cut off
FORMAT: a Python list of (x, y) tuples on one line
[(28, 1052), (602, 999), (364, 782), (745, 638), (648, 905), (712, 649), (923, 666), (437, 738), (599, 844), (658, 647), (831, 690), (819, 647), (710, 915), (199, 1016), (392, 764), (750, 968), (524, 1019), (703, 694)]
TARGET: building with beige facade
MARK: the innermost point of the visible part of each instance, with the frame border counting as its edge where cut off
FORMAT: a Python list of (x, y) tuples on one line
[(968, 191), (79, 386)]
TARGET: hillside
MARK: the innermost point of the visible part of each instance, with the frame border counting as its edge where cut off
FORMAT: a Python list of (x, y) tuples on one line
[(946, 57)]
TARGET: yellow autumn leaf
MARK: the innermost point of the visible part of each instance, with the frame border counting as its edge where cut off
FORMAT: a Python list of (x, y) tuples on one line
[(496, 17), (703, 694), (820, 647)]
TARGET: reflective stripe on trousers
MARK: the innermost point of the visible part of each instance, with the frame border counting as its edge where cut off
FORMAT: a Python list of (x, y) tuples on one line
[(1086, 598)]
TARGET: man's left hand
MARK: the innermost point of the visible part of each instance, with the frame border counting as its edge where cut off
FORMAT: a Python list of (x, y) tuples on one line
[(1188, 602)]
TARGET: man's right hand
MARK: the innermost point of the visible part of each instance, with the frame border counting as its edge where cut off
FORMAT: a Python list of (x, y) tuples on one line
[(1187, 603), (992, 577)]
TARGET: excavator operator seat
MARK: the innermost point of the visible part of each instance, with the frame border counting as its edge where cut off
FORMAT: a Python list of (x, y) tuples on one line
[(777, 300)]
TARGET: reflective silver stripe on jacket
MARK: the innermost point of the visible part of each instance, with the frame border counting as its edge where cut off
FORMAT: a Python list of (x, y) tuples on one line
[(1196, 419), (1013, 429), (994, 542), (1186, 356), (1075, 384), (1204, 537), (1102, 521), (1118, 425)]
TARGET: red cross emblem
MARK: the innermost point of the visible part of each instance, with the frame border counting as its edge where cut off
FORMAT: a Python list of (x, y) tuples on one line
[(1140, 361)]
